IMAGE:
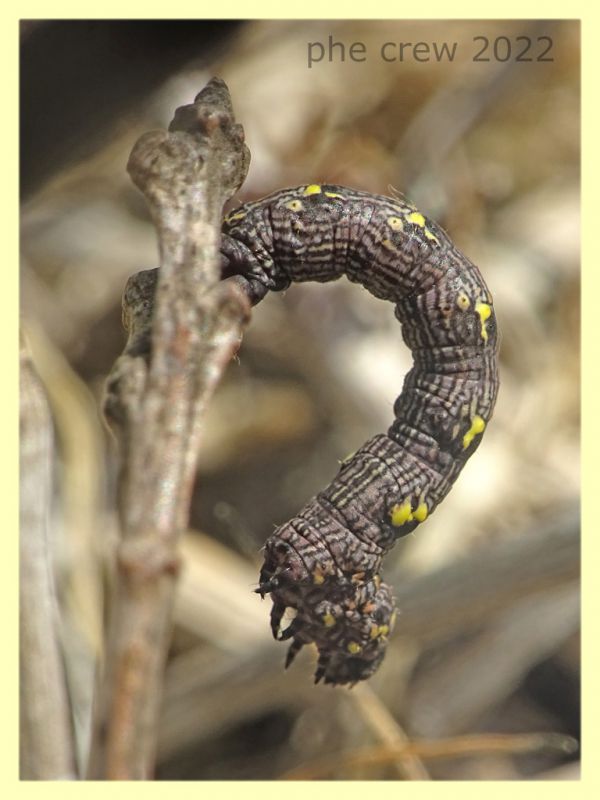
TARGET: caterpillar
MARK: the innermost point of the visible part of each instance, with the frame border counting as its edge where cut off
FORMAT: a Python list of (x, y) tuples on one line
[(325, 562)]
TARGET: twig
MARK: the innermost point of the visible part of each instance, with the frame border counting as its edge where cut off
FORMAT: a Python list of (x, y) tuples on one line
[(156, 396), (457, 747), (46, 743), (379, 718)]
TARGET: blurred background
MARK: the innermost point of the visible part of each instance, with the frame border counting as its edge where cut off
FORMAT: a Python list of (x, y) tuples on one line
[(487, 640)]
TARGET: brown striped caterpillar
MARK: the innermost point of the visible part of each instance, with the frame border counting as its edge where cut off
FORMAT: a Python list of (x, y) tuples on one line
[(325, 562)]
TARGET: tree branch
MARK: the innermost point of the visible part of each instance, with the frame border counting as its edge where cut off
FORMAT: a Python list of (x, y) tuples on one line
[(184, 326)]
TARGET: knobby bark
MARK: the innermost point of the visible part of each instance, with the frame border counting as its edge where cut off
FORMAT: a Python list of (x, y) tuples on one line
[(184, 325)]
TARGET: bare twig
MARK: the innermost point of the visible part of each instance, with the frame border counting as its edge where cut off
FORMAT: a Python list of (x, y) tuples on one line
[(46, 736), (156, 395), (459, 746), (374, 712)]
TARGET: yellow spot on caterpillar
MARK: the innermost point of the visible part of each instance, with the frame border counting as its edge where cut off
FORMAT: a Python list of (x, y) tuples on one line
[(401, 513), (485, 312), (294, 205), (477, 427), (432, 236), (233, 217), (328, 620), (388, 244), (393, 619), (333, 194), (395, 223), (378, 630), (314, 188), (318, 577), (354, 648), (377, 581), (463, 302), (417, 219)]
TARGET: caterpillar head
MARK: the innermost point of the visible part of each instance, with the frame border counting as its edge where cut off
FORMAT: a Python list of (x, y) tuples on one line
[(296, 561)]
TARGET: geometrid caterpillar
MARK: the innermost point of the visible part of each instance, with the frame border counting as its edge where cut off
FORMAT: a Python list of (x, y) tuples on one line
[(325, 562)]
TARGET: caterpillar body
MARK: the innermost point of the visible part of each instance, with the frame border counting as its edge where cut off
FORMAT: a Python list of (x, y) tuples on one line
[(325, 562)]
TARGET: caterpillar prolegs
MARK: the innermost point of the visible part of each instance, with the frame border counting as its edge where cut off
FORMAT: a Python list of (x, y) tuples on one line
[(325, 562)]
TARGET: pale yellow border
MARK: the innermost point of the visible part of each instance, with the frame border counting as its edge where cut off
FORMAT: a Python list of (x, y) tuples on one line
[(591, 384)]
